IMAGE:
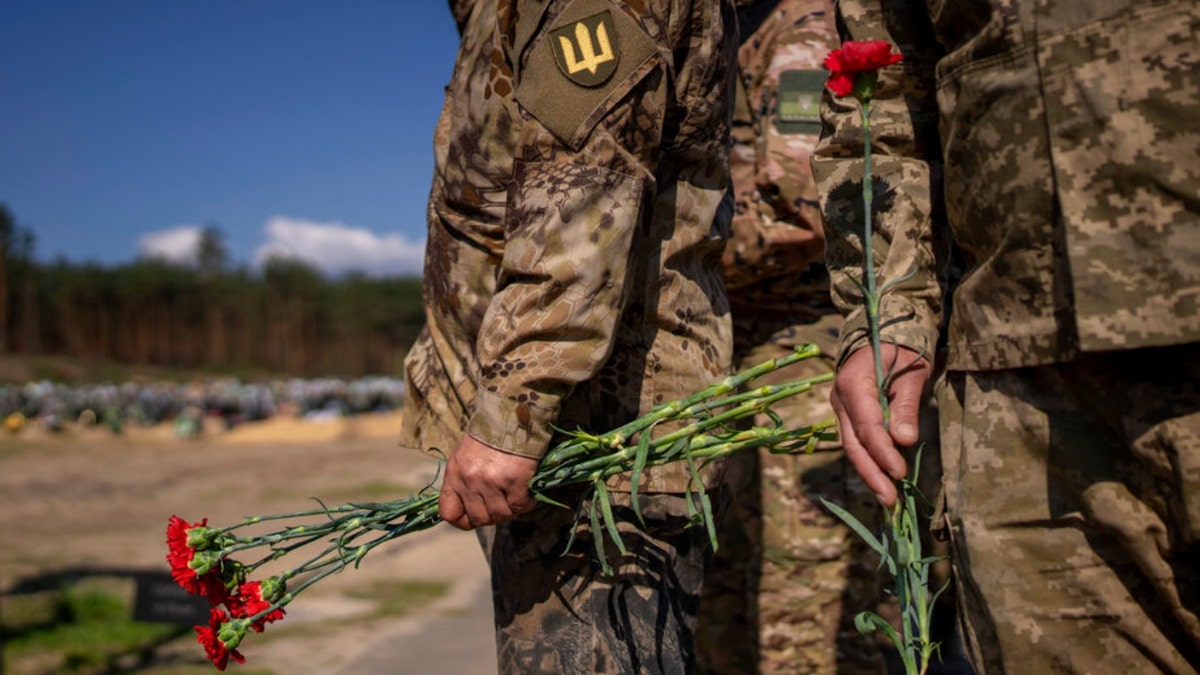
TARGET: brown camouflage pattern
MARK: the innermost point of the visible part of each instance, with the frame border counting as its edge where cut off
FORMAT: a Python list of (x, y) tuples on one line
[(572, 280), (575, 286), (1057, 143), (1073, 505), (642, 620), (788, 577), (1067, 150)]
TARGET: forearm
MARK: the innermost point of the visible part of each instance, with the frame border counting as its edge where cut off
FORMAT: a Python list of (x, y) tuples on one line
[(905, 176)]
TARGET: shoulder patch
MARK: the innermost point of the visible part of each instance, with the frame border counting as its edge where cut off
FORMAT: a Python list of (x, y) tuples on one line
[(586, 58), (587, 51), (798, 101)]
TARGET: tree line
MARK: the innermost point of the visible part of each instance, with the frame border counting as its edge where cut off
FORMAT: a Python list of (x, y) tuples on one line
[(285, 318)]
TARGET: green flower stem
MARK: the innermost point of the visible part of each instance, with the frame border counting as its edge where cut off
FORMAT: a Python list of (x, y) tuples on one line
[(585, 443), (872, 296), (752, 403), (351, 531), (901, 552)]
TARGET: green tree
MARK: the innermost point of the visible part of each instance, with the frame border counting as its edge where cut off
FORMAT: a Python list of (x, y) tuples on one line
[(16, 249)]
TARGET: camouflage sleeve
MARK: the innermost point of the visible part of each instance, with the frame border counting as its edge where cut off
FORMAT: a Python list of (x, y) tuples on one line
[(461, 11), (906, 172), (597, 83)]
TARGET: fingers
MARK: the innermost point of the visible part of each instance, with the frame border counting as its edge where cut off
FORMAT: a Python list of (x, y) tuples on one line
[(484, 486), (519, 500), (452, 510), (870, 446), (857, 454), (906, 395), (466, 508)]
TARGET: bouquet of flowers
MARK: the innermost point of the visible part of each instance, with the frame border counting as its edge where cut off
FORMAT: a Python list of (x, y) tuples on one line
[(218, 562)]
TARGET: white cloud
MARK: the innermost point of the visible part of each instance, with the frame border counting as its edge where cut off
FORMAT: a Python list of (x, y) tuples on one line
[(177, 244), (335, 248)]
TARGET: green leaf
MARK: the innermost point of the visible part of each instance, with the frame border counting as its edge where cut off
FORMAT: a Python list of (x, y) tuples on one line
[(859, 529), (639, 466), (546, 500), (869, 622), (598, 538), (610, 523)]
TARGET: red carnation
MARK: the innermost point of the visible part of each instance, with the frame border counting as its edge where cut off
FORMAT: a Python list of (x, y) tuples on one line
[(853, 58), (179, 557), (249, 601), (213, 647)]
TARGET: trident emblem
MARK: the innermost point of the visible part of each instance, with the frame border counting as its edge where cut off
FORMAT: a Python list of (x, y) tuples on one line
[(585, 52)]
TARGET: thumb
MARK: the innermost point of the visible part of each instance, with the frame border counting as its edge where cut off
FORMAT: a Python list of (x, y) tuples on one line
[(907, 394)]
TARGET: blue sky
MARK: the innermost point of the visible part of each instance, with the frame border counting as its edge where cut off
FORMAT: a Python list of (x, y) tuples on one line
[(300, 126)]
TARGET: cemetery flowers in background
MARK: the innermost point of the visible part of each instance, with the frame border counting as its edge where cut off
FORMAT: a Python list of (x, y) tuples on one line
[(218, 562)]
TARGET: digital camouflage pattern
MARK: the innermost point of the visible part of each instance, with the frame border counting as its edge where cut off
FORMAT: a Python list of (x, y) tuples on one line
[(788, 577), (1057, 144), (1068, 158), (1074, 495), (572, 280)]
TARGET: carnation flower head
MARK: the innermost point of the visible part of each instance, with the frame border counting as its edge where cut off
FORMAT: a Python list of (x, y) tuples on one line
[(210, 637), (196, 576), (854, 68), (250, 600)]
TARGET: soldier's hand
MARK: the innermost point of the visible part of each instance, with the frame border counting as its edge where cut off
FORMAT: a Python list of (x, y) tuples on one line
[(484, 486), (870, 447)]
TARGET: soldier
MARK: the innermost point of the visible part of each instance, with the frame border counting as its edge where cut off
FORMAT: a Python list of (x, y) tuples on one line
[(1070, 410), (788, 577), (576, 218)]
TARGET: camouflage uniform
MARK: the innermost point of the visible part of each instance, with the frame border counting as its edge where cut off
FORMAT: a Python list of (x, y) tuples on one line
[(1064, 136), (788, 577), (576, 221)]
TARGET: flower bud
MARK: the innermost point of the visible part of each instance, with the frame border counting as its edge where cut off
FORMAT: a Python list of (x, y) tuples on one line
[(231, 633), (201, 538), (203, 562), (272, 589)]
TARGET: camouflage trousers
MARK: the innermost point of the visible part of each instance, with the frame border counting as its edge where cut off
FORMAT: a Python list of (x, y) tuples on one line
[(556, 612), (1072, 497), (788, 577)]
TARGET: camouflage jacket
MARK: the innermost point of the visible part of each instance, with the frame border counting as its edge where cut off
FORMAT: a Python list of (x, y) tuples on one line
[(1060, 144), (576, 221), (774, 261)]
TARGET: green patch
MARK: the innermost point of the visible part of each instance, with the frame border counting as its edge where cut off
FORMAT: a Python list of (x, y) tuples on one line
[(84, 627), (798, 108)]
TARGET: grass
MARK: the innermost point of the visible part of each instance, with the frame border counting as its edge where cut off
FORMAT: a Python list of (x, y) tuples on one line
[(83, 627)]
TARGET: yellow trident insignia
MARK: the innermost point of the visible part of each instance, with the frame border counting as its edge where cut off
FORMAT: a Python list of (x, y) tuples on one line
[(584, 50)]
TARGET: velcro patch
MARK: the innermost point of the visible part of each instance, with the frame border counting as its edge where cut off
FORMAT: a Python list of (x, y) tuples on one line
[(798, 103), (587, 58)]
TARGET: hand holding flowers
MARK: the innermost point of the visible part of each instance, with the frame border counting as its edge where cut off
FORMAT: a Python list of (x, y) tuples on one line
[(211, 561)]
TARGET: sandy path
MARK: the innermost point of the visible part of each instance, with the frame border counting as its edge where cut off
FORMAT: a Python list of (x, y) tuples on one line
[(89, 498)]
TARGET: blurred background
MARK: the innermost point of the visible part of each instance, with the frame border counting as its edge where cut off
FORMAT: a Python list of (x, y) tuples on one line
[(211, 235)]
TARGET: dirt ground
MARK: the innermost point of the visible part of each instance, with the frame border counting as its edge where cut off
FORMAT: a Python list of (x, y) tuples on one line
[(87, 497)]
